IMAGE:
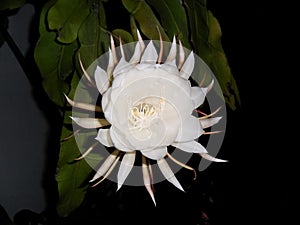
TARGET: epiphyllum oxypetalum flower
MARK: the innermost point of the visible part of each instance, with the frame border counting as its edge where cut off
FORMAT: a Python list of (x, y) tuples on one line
[(148, 105)]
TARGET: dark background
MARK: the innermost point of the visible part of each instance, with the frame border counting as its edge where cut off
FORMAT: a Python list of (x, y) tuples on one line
[(255, 187)]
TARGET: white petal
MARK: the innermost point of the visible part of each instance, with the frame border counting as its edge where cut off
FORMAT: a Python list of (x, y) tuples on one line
[(142, 44), (190, 130), (90, 122), (172, 52), (102, 80), (156, 153), (188, 66), (147, 179), (191, 147), (150, 55), (168, 174), (104, 138), (105, 165), (205, 123), (197, 96), (121, 67), (125, 167), (120, 141), (111, 63), (211, 158), (137, 54)]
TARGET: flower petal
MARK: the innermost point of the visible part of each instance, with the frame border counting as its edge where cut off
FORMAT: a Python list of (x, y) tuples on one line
[(211, 158), (90, 122), (102, 79), (156, 153), (111, 63), (205, 123), (188, 66), (121, 67), (172, 52), (137, 54), (191, 147), (104, 138), (197, 96), (147, 179), (105, 165), (168, 174), (190, 130), (150, 55), (125, 167), (119, 140)]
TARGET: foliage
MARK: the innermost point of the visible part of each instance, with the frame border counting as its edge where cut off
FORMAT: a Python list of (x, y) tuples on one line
[(69, 28)]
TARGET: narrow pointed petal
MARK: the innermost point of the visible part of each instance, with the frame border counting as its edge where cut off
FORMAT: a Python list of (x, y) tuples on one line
[(161, 48), (181, 56), (111, 64), (121, 48), (85, 73), (140, 40), (211, 158), (168, 173), (210, 115), (113, 50), (182, 164), (125, 167), (147, 179), (121, 67), (150, 54), (188, 66), (210, 122), (108, 172), (172, 52), (190, 130), (191, 147), (102, 79), (104, 138), (137, 54), (90, 122), (84, 106), (88, 151), (156, 153), (198, 96), (105, 165)]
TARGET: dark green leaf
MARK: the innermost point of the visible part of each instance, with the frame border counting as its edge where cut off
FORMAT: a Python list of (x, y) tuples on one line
[(143, 14), (173, 18), (11, 4), (93, 37), (206, 40), (3, 28), (72, 175), (66, 17), (125, 36)]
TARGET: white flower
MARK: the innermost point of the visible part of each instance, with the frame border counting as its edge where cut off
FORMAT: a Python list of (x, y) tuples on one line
[(149, 106)]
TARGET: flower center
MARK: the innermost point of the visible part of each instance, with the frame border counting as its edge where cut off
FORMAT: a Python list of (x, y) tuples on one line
[(141, 115)]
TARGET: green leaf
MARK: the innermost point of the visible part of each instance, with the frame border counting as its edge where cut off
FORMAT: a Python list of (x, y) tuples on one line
[(173, 19), (146, 19), (125, 36), (93, 37), (11, 4), (206, 40), (72, 175), (66, 17)]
